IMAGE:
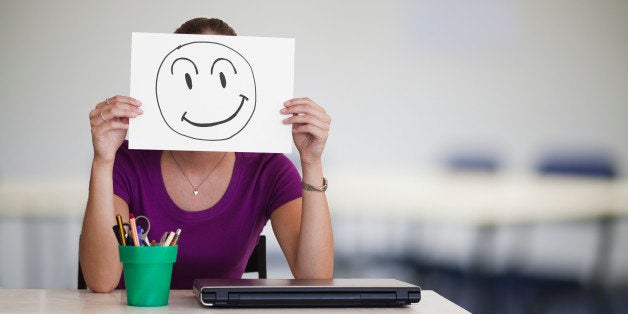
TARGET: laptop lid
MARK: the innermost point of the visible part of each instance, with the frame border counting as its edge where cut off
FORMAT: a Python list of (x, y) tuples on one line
[(305, 292)]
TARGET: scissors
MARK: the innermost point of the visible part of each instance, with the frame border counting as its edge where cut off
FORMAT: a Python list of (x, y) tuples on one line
[(143, 226)]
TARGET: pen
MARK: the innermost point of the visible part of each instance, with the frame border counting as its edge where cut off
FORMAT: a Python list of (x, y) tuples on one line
[(177, 234), (136, 240), (120, 233), (169, 238), (116, 231), (163, 238), (140, 234)]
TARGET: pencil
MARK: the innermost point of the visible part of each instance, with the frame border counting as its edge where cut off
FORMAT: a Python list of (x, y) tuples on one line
[(121, 229), (136, 240)]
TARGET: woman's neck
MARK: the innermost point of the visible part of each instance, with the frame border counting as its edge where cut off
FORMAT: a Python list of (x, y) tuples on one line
[(194, 160)]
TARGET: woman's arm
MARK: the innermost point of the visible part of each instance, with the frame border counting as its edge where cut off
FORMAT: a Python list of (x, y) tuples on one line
[(98, 252), (98, 248), (303, 226), (303, 230)]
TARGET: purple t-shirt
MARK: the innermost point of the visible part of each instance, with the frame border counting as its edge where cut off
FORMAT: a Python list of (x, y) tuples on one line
[(215, 242)]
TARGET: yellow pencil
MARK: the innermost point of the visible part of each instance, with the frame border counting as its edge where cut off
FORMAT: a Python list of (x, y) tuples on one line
[(121, 227)]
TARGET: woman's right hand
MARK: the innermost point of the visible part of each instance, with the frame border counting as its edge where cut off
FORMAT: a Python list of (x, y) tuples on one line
[(109, 121)]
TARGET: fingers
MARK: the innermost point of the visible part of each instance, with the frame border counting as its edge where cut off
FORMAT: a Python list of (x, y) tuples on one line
[(119, 99), (315, 131), (308, 119), (305, 106), (99, 116), (103, 128), (306, 111), (114, 108), (310, 127)]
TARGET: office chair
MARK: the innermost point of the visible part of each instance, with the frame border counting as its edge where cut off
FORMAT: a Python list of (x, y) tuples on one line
[(256, 263), (599, 165), (257, 260)]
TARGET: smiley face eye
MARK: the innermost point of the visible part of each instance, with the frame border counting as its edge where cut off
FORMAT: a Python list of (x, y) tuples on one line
[(188, 80), (223, 80)]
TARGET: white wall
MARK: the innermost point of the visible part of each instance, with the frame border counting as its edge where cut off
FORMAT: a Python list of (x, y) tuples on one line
[(404, 80)]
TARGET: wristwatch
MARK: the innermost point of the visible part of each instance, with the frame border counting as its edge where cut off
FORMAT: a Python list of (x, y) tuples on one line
[(309, 187)]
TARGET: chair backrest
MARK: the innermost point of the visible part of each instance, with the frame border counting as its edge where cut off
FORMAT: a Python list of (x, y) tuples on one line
[(256, 263), (257, 260)]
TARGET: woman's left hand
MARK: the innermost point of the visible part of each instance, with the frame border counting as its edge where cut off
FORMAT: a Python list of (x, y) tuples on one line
[(310, 128)]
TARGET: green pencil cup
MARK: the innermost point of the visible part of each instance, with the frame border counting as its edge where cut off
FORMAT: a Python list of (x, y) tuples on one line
[(147, 273)]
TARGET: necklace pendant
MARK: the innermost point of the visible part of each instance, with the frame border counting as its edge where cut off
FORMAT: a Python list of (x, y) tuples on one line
[(195, 192)]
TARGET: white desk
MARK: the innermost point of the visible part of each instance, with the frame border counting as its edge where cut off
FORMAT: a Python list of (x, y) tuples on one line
[(420, 196), (477, 198), (181, 301)]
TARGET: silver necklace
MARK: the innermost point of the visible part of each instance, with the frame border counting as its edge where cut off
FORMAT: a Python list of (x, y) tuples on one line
[(186, 177)]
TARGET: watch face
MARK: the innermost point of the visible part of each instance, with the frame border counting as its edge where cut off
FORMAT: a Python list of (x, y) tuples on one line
[(205, 91)]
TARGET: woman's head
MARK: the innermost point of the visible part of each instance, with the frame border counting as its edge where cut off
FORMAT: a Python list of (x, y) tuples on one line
[(202, 25)]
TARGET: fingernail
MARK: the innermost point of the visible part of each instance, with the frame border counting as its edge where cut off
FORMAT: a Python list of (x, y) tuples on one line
[(286, 120), (140, 110), (287, 102), (284, 110)]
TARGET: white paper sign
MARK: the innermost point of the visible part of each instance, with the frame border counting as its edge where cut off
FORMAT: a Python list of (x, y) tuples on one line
[(211, 93)]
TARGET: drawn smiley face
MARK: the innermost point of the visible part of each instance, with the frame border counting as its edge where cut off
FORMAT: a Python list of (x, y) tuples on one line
[(205, 91)]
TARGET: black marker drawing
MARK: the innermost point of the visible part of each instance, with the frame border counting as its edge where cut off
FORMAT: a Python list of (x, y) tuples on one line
[(205, 91)]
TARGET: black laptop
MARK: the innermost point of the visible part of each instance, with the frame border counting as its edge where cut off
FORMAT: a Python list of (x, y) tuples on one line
[(305, 292)]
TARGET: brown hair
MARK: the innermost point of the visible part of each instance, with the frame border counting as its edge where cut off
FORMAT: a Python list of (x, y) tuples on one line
[(200, 24)]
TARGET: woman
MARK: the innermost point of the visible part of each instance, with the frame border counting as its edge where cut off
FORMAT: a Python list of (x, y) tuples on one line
[(234, 195)]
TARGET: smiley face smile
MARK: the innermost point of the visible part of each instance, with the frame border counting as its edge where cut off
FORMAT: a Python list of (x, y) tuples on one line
[(203, 125)]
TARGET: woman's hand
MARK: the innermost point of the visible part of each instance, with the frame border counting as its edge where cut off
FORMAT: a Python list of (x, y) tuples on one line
[(109, 121), (310, 128)]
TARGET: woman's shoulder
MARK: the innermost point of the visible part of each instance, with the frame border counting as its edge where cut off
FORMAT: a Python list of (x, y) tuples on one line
[(135, 156), (265, 164), (264, 159), (124, 149)]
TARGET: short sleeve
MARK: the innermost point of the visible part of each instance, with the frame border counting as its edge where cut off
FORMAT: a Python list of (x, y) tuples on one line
[(122, 172), (285, 183)]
